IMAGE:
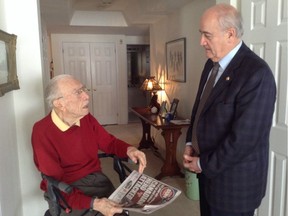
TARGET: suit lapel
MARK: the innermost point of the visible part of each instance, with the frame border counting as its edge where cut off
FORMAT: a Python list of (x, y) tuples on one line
[(227, 76)]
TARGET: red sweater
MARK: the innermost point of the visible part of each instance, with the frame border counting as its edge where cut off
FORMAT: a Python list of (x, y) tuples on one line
[(70, 155)]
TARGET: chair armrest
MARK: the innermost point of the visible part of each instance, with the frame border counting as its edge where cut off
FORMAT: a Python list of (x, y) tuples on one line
[(118, 165), (57, 200), (58, 184)]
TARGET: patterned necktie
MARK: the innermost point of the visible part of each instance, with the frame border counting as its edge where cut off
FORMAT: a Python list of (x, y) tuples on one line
[(205, 94)]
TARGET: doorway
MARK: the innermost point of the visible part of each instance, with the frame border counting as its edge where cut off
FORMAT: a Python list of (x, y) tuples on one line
[(138, 69)]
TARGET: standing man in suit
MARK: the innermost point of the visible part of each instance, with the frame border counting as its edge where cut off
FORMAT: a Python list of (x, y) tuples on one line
[(227, 143)]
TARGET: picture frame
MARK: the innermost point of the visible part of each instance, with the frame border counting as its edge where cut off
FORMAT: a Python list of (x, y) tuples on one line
[(173, 107), (8, 73), (163, 109), (176, 60)]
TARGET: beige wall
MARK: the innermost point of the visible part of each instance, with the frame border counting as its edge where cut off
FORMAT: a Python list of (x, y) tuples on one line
[(183, 23)]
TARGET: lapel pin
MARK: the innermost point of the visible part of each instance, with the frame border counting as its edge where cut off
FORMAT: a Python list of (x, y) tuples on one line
[(227, 78)]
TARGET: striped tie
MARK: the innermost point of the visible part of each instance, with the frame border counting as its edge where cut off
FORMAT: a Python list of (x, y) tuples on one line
[(205, 95)]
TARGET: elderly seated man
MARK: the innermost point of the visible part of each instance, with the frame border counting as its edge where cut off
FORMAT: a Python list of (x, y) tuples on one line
[(66, 143)]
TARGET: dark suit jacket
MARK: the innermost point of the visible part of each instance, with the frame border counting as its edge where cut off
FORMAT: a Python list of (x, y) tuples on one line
[(233, 132)]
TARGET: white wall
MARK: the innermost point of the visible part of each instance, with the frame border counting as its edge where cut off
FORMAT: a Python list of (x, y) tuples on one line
[(137, 40), (183, 23), (9, 170), (19, 180)]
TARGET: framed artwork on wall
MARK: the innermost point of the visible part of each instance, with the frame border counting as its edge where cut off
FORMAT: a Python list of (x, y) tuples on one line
[(176, 60), (8, 74)]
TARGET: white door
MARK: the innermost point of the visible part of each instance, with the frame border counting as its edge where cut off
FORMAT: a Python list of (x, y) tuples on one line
[(89, 63), (265, 25), (103, 77), (77, 61)]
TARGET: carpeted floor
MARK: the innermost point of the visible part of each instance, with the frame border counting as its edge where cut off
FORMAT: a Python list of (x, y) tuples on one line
[(132, 134)]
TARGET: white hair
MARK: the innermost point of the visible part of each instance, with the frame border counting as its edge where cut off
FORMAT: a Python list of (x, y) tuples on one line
[(52, 91), (229, 17)]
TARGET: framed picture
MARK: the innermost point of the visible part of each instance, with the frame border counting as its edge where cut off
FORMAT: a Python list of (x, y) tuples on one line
[(163, 109), (176, 60), (173, 107), (8, 74)]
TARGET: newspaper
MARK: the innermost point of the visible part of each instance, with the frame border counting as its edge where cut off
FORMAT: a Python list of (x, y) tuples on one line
[(144, 194)]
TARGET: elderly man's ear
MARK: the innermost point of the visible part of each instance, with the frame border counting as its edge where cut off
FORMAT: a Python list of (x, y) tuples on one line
[(58, 104), (231, 33)]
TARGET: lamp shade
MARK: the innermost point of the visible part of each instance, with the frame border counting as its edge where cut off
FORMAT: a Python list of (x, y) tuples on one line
[(150, 84)]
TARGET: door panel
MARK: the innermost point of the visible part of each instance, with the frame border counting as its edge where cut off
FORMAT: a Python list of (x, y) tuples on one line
[(103, 77), (94, 64), (76, 60), (265, 24)]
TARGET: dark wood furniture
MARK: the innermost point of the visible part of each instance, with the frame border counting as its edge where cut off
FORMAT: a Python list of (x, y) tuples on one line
[(171, 132)]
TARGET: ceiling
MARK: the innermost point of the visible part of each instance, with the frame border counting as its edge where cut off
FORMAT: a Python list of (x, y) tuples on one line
[(128, 17)]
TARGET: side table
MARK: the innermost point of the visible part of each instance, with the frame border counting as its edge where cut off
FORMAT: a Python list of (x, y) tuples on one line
[(171, 133)]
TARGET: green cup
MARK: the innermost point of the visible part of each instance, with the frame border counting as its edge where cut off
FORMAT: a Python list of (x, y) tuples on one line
[(192, 186)]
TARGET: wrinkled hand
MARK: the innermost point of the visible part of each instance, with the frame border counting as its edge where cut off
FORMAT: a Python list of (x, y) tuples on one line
[(106, 207), (190, 162), (137, 156)]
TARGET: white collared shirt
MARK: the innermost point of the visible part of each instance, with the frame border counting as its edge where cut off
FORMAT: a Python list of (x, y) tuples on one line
[(226, 60)]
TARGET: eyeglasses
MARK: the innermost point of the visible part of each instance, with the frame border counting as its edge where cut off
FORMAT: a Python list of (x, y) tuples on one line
[(80, 91), (77, 92)]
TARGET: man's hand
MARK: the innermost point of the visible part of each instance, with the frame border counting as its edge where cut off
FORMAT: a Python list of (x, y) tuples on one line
[(137, 156), (106, 207), (190, 162)]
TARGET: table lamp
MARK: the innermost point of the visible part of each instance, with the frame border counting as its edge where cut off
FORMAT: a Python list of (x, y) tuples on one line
[(151, 85)]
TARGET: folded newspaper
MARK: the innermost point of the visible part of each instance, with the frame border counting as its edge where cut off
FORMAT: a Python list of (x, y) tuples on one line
[(144, 194)]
